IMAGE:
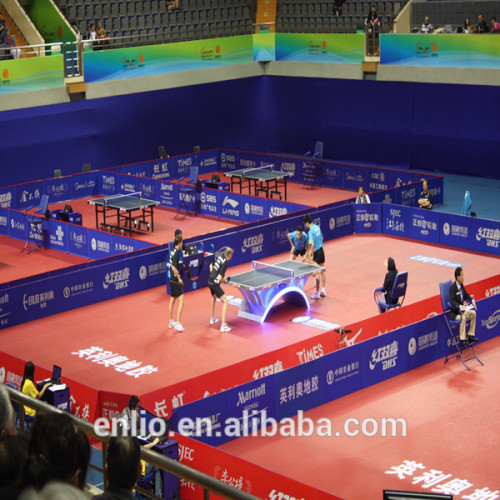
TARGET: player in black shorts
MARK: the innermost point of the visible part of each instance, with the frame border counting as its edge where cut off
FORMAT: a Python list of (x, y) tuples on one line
[(216, 277), (175, 263)]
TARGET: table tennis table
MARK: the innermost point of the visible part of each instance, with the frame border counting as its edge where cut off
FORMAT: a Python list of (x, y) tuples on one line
[(265, 284), (122, 207), (262, 179)]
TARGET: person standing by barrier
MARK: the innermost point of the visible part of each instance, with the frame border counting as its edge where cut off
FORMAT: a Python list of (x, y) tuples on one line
[(425, 200), (175, 264), (216, 277), (316, 254)]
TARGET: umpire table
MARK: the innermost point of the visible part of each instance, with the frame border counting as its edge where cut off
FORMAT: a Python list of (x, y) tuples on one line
[(262, 179), (123, 206), (265, 284)]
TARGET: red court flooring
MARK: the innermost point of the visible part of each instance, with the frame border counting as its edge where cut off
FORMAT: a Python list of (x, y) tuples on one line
[(137, 325), (452, 427)]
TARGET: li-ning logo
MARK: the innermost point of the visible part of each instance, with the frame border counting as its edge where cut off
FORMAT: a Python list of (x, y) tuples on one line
[(230, 201), (492, 321)]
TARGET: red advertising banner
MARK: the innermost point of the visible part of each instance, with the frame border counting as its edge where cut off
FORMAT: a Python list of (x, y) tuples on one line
[(241, 474)]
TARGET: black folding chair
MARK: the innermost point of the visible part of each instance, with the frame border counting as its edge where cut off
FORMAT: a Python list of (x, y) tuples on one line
[(398, 293), (187, 193), (455, 347), (34, 224), (312, 169)]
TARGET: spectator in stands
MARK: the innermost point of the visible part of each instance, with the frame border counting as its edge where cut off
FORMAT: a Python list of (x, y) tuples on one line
[(3, 32), (58, 451), (13, 454), (123, 468), (28, 387), (127, 416), (338, 7), (482, 27), (7, 418), (495, 26), (172, 4), (427, 26), (55, 490), (362, 197), (425, 200), (92, 33), (390, 277), (100, 31), (468, 28), (372, 23), (11, 40)]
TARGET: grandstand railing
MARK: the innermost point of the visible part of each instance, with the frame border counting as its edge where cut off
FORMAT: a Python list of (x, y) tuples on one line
[(208, 483), (38, 50)]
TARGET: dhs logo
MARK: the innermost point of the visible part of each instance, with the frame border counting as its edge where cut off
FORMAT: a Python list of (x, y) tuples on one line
[(276, 211), (385, 355), (446, 229)]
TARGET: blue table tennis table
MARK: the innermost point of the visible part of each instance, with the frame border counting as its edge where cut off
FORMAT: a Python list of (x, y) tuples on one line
[(122, 208), (265, 284), (262, 179)]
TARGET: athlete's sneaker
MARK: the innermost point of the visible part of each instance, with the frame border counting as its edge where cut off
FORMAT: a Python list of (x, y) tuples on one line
[(315, 296), (322, 293), (171, 323), (213, 321), (179, 327), (225, 328)]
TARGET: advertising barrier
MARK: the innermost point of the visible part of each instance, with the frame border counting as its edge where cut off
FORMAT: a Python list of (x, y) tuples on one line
[(132, 62), (333, 375), (446, 50)]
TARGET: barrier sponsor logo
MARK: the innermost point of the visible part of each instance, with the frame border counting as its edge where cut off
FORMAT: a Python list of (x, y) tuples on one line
[(279, 495), (14, 379), (408, 196), (392, 224), (78, 186), (157, 268), (446, 229), (208, 202), (343, 372), (143, 272), (4, 301), (3, 221), (315, 48), (492, 321), (57, 239), (6, 199), (78, 289), (299, 389), (314, 352), (264, 371), (101, 246), (230, 207), (211, 161), (146, 189), (427, 340), (120, 247), (209, 54), (160, 171), (27, 196), (343, 220), (120, 279), (492, 236), (254, 243), (286, 166), (367, 219), (387, 199), (2, 375), (332, 174), (247, 396), (57, 190), (246, 163), (127, 187), (79, 239), (38, 299), (492, 291), (277, 211), (332, 223), (108, 183), (438, 262), (186, 454), (386, 355), (353, 177), (412, 346), (228, 161)]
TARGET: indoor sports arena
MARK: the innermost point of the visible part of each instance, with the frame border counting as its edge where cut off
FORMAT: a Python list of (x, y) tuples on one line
[(323, 194)]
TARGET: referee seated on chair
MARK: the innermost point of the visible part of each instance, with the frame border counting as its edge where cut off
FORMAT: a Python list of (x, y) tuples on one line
[(458, 300)]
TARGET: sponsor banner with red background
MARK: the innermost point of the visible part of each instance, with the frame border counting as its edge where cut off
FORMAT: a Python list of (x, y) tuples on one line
[(239, 473), (161, 402), (111, 404), (84, 399)]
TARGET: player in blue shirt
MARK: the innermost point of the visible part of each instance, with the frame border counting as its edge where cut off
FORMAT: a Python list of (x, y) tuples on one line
[(317, 253), (299, 241)]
